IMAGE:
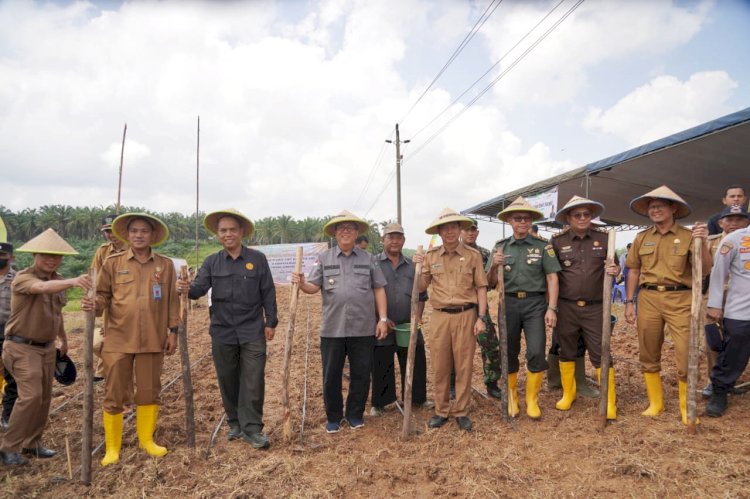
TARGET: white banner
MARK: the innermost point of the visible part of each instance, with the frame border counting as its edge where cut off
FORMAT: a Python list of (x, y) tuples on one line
[(281, 258), (546, 202)]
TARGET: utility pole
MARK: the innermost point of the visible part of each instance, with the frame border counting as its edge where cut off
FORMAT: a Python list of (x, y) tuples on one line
[(399, 157)]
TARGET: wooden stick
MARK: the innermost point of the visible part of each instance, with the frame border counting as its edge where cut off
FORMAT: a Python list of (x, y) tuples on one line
[(304, 385), (413, 333), (695, 334), (197, 190), (506, 397), (88, 389), (288, 343), (213, 436), (119, 180), (70, 463), (606, 332), (187, 379)]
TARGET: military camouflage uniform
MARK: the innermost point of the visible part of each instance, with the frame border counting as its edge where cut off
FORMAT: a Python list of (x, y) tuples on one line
[(487, 340)]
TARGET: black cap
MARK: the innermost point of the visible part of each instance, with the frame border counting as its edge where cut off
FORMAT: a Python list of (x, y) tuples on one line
[(734, 210), (107, 221), (6, 248), (65, 370)]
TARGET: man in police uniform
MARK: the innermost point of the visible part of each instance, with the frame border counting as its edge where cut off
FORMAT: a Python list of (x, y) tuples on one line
[(399, 272), (530, 272), (459, 301), (353, 292), (35, 322), (582, 252), (137, 288), (8, 387), (733, 263), (487, 340), (660, 264)]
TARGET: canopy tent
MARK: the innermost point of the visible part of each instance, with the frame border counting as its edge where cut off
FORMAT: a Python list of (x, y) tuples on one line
[(698, 164)]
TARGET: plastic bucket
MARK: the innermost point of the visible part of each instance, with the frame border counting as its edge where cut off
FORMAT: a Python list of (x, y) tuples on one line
[(403, 331)]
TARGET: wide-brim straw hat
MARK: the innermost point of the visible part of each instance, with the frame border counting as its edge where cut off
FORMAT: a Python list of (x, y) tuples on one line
[(446, 216), (120, 227), (48, 242), (520, 204), (640, 204), (211, 222), (596, 208), (346, 216)]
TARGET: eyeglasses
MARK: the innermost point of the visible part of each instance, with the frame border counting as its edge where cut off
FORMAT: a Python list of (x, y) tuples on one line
[(520, 219), (659, 206), (581, 214), (346, 227)]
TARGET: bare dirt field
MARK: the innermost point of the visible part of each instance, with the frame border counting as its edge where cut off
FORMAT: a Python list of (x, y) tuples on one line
[(564, 454)]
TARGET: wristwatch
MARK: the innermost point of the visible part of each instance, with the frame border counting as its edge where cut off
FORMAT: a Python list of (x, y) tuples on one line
[(384, 319), (554, 309), (628, 301)]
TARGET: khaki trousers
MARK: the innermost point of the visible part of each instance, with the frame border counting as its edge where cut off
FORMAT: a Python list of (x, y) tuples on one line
[(452, 348), (655, 309), (33, 369), (98, 344), (118, 379)]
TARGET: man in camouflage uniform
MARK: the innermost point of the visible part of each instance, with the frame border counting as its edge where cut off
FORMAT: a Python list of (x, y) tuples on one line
[(8, 386)]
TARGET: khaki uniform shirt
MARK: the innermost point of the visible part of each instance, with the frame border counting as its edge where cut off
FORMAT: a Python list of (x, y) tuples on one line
[(36, 317), (664, 259), (582, 259), (454, 276), (103, 252), (129, 291), (527, 263)]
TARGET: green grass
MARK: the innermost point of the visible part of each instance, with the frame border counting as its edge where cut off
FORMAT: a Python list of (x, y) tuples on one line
[(74, 300)]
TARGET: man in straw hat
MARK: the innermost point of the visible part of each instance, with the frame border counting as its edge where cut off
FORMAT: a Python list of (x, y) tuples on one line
[(659, 263), (137, 290), (582, 252), (243, 318), (29, 352), (352, 285), (459, 301), (8, 388), (529, 273)]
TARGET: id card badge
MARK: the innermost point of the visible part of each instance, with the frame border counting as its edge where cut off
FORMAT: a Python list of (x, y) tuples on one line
[(156, 291)]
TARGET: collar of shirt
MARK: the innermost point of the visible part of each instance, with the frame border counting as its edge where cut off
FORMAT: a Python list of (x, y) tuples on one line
[(401, 260), (513, 240), (130, 255), (461, 249), (43, 275), (575, 235), (672, 229), (244, 254), (355, 251)]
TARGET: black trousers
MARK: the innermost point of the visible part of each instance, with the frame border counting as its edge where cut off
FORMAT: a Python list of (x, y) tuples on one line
[(554, 347), (11, 389), (384, 377), (733, 360), (240, 370), (334, 352)]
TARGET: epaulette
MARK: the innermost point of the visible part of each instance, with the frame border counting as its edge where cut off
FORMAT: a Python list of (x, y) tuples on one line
[(472, 249), (564, 231), (540, 237), (715, 236), (501, 241), (434, 248)]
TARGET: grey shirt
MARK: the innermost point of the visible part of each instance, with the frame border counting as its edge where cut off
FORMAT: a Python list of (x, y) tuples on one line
[(732, 260), (346, 283), (398, 293)]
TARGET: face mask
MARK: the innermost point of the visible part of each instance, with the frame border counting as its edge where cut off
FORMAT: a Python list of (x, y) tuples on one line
[(3, 263)]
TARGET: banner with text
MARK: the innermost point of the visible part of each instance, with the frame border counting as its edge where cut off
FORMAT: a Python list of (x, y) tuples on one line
[(546, 202), (281, 258)]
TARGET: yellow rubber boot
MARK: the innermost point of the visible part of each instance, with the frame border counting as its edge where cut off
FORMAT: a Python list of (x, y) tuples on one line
[(682, 390), (145, 419), (655, 394), (2, 385), (112, 437), (568, 379), (611, 395), (533, 384), (513, 409)]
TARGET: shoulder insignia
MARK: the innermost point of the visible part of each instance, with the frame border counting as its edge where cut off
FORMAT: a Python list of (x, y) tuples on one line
[(550, 251), (539, 237), (715, 236), (726, 247), (558, 234)]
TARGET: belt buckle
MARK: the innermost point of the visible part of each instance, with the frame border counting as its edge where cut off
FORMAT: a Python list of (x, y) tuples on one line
[(661, 287), (581, 303), (521, 294)]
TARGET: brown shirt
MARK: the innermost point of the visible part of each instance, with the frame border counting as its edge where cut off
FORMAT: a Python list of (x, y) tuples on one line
[(129, 291), (663, 258), (103, 252), (454, 276), (582, 260), (36, 317)]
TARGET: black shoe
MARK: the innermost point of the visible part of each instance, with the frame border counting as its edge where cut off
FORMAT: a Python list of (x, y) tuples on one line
[(717, 406), (12, 459), (40, 452), (494, 391), (464, 423), (708, 390), (453, 393), (437, 421), (257, 440), (234, 432)]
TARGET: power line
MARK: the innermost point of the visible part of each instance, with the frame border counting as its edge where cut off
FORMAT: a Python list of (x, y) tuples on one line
[(374, 168)]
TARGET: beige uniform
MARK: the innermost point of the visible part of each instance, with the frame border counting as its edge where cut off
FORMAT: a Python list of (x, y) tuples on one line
[(102, 253)]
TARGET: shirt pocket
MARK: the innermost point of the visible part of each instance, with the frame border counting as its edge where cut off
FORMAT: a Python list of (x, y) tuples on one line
[(466, 277), (331, 278), (678, 258), (647, 255), (221, 288), (362, 278)]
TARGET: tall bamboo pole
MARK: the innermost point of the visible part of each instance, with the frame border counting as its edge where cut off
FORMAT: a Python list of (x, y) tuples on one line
[(197, 190), (506, 397), (88, 387), (119, 178), (606, 331), (413, 333), (695, 333), (187, 379), (288, 343)]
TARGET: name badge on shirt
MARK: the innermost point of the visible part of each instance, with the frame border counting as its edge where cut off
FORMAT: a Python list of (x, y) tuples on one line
[(156, 291)]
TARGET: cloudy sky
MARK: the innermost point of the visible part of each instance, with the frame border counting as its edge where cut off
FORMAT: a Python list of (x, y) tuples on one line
[(296, 98)]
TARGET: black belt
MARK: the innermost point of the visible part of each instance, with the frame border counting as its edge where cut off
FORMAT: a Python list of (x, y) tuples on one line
[(525, 294), (21, 339), (583, 303), (660, 287), (457, 310)]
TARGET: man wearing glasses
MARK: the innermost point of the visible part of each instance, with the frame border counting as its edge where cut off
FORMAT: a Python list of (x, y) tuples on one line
[(582, 252), (530, 272), (352, 286)]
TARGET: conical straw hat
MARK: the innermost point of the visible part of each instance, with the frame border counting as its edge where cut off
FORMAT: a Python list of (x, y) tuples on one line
[(120, 227), (520, 204), (596, 208), (640, 204), (211, 222), (448, 215), (346, 216), (48, 242)]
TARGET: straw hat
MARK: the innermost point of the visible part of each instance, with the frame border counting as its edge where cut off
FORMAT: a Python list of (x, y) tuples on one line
[(640, 204), (120, 227), (596, 208), (211, 222), (520, 204), (346, 216), (48, 242), (448, 215)]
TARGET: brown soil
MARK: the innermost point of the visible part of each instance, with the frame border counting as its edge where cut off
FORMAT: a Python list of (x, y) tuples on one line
[(564, 454)]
